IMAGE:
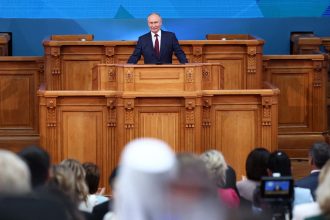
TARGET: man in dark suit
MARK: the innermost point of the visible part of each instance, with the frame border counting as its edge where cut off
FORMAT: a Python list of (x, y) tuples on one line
[(157, 46), (319, 154)]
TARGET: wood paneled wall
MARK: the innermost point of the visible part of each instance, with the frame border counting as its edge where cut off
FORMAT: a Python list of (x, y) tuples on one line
[(302, 80), (20, 79)]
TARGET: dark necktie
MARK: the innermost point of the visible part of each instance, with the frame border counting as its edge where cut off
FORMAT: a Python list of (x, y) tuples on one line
[(156, 45)]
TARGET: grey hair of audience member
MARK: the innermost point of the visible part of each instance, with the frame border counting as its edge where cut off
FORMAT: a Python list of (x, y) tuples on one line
[(216, 166), (146, 167), (15, 175), (193, 194), (323, 189)]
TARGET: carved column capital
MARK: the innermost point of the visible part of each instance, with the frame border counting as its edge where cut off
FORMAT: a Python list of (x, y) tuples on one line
[(51, 112), (206, 115), (112, 112), (190, 113), (317, 77), (129, 113), (266, 103), (251, 60), (109, 53), (197, 54)]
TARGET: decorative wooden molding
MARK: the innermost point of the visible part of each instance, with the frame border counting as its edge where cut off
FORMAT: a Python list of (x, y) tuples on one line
[(129, 113), (317, 78), (51, 112), (112, 112), (190, 113), (206, 115), (109, 55), (129, 75), (55, 52), (206, 74), (251, 60), (197, 54), (266, 111), (189, 75), (112, 75)]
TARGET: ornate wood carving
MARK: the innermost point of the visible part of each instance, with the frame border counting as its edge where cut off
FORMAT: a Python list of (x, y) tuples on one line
[(266, 111), (129, 113), (112, 75), (109, 55), (190, 113), (129, 75), (189, 75), (206, 121), (55, 52), (112, 112), (197, 54), (206, 74), (317, 78), (251, 60), (51, 112)]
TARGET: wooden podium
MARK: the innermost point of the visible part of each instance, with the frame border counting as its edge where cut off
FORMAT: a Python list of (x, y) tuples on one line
[(171, 102)]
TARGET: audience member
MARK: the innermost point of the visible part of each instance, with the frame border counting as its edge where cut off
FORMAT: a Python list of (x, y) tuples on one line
[(146, 167), (38, 162), (319, 154), (193, 194), (92, 180), (101, 209), (304, 211), (279, 162), (14, 176), (217, 169), (255, 167)]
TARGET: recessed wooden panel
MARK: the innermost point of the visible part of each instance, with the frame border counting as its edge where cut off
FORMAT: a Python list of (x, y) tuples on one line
[(16, 101), (77, 75), (160, 125), (233, 77), (159, 79), (81, 135), (236, 134), (293, 99)]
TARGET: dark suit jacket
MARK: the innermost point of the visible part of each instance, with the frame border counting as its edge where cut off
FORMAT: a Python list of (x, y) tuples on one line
[(309, 182), (169, 44), (101, 209)]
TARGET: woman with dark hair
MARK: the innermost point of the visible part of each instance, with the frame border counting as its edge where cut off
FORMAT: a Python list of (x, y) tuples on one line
[(256, 167)]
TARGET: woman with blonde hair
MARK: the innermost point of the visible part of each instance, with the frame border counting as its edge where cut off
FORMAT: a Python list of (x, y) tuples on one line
[(81, 188), (217, 168)]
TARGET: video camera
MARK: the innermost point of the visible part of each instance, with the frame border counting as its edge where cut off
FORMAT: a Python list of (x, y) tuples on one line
[(277, 195)]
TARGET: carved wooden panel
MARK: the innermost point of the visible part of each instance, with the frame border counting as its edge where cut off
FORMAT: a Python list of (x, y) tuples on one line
[(236, 132), (19, 82), (234, 74), (302, 80), (294, 97), (161, 125), (75, 76)]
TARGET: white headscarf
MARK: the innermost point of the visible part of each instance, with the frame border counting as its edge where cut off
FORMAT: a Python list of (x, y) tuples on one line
[(145, 170)]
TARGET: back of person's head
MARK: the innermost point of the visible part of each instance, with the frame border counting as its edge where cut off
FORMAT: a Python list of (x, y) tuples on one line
[(323, 191), (146, 166), (193, 193), (61, 188), (79, 174), (256, 164), (279, 162), (230, 178), (320, 154), (38, 162), (92, 176), (216, 166), (14, 175)]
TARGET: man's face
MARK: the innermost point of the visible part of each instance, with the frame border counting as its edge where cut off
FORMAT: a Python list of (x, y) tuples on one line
[(154, 23)]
